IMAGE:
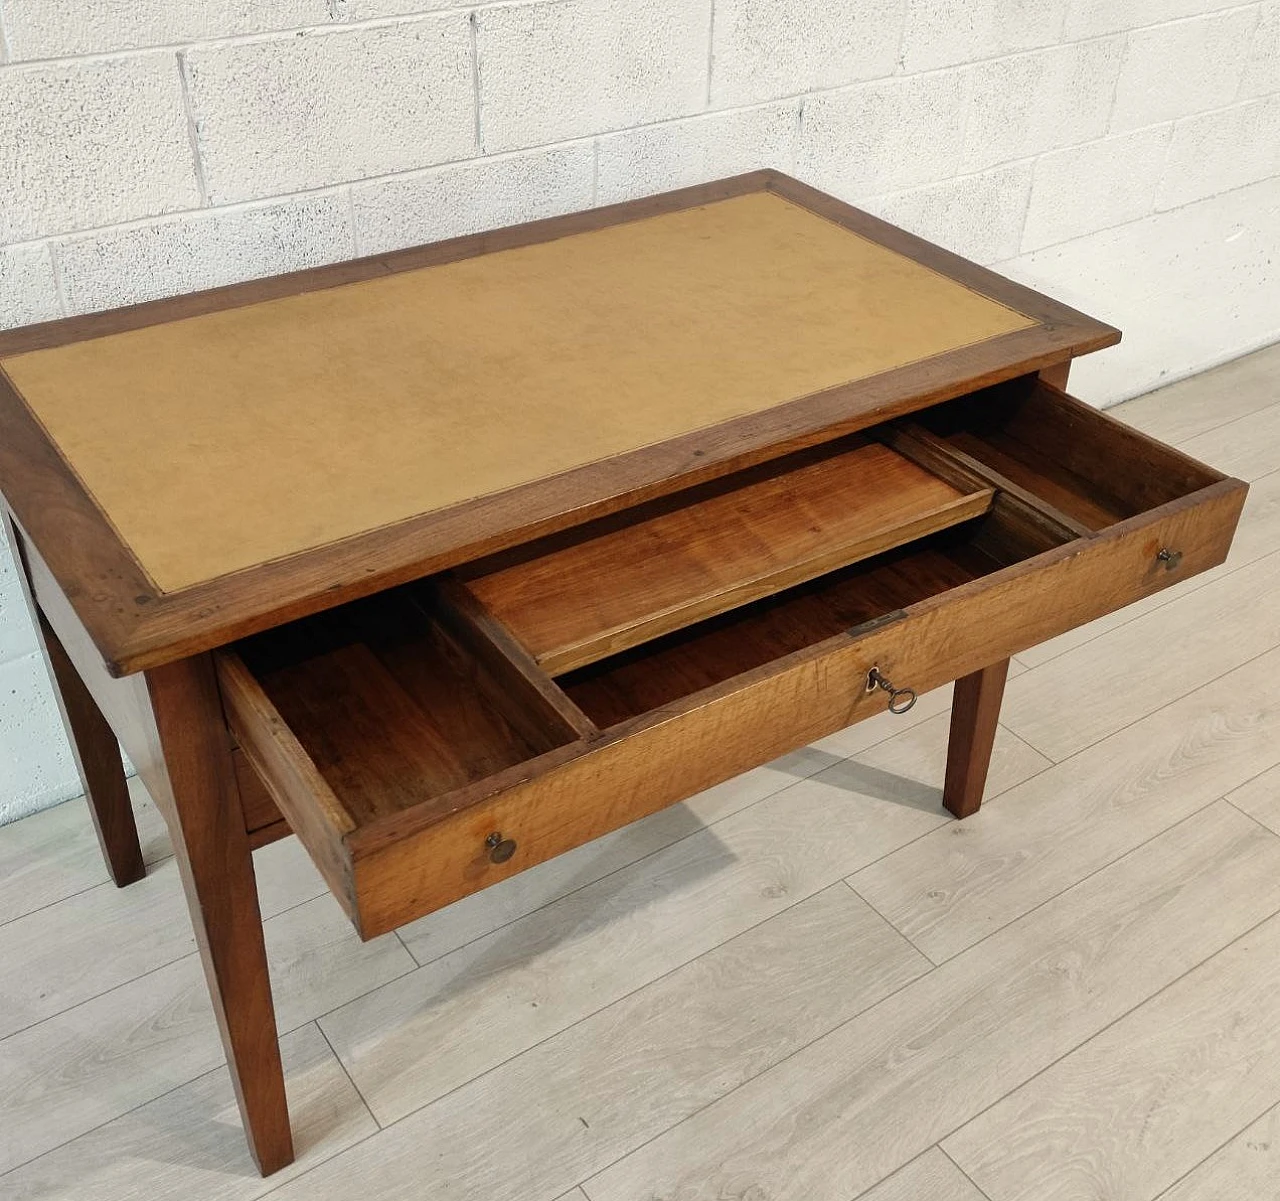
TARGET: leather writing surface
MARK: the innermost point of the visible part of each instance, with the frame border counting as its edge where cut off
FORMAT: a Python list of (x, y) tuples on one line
[(233, 438)]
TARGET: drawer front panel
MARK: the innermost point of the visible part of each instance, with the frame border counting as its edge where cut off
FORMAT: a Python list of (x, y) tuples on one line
[(418, 862)]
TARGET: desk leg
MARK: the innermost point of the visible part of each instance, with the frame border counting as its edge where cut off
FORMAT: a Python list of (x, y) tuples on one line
[(975, 713), (217, 872), (97, 757)]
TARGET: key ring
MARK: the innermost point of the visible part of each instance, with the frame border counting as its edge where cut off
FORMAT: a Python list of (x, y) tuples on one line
[(901, 700)]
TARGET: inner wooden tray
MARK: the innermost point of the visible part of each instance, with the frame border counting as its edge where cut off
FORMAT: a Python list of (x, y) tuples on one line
[(618, 583)]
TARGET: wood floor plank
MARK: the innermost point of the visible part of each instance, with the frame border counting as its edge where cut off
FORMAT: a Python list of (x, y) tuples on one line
[(1246, 447), (94, 1062), (106, 936), (1260, 798), (574, 1104), (1258, 535), (188, 1146), (318, 962), (932, 1177), (950, 889), (1143, 1102), (468, 1011), (1079, 698), (1203, 402), (861, 1102), (517, 896), (483, 912), (1245, 1169), (54, 854)]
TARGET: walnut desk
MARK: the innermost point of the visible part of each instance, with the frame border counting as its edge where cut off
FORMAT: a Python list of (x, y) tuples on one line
[(449, 560)]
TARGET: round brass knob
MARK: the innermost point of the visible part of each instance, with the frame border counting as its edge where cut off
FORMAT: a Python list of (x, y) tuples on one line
[(500, 849)]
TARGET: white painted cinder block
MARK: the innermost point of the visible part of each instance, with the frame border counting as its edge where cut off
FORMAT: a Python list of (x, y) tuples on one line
[(677, 154), (978, 216), (1190, 288), (36, 769), (28, 292), (1090, 18), (289, 113), (447, 202), (369, 10), (1215, 152), (90, 143), (1030, 103), (202, 250), (885, 136), (1066, 201), (561, 69), (768, 49), (942, 33), (60, 28), (1183, 67), (17, 638), (1262, 70)]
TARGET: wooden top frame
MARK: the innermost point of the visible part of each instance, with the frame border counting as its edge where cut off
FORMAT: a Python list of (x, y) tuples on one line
[(628, 352)]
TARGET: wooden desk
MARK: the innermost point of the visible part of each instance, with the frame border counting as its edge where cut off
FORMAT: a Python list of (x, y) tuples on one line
[(450, 560)]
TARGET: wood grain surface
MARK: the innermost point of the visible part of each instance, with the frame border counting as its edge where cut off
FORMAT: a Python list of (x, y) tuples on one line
[(659, 573)]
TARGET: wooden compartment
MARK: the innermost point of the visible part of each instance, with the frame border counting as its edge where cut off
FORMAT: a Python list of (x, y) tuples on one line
[(421, 753), (855, 598), (624, 581)]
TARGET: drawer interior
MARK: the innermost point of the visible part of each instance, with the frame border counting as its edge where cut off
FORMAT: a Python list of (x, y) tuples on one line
[(451, 701), (704, 655), (1075, 461), (398, 699)]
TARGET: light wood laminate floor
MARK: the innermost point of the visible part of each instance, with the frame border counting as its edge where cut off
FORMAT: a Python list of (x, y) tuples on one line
[(807, 984)]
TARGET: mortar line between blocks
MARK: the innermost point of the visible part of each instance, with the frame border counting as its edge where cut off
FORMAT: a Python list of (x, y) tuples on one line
[(473, 21), (351, 219), (340, 25), (711, 52), (59, 286), (193, 133), (79, 233)]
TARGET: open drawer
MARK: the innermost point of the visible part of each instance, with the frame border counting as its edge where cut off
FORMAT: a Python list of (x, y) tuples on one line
[(432, 740)]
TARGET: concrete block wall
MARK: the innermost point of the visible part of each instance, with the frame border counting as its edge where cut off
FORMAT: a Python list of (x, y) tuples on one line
[(1123, 155)]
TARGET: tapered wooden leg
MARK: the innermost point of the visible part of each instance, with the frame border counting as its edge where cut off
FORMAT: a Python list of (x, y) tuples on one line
[(93, 744), (217, 872), (97, 756), (975, 713)]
